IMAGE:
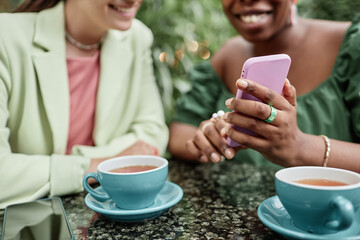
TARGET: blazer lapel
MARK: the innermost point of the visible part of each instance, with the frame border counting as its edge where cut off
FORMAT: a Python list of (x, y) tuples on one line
[(116, 60), (50, 65)]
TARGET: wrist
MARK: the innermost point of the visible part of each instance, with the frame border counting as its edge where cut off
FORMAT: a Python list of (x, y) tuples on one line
[(327, 150), (311, 150)]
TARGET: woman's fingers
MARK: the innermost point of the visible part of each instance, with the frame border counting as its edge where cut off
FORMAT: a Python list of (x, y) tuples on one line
[(289, 93), (257, 126), (213, 134), (208, 144), (247, 141), (272, 120), (206, 147), (263, 93), (257, 110), (193, 149), (258, 141), (214, 137), (271, 109)]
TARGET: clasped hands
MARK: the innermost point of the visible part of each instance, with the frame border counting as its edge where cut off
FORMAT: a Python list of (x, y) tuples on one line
[(277, 138)]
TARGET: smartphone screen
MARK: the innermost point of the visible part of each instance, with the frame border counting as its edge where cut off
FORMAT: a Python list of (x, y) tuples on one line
[(40, 219)]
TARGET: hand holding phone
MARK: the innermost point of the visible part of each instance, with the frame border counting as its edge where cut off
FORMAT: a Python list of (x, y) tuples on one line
[(270, 71)]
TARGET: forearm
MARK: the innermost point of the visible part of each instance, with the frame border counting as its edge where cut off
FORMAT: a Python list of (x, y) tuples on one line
[(344, 155), (153, 133), (179, 134), (27, 177)]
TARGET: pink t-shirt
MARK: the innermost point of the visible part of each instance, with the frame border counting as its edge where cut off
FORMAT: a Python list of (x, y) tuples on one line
[(83, 74)]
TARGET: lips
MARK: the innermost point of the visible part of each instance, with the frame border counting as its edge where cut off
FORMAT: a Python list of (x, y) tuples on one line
[(122, 9)]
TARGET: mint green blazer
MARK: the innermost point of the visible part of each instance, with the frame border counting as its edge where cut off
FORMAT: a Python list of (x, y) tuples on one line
[(34, 104)]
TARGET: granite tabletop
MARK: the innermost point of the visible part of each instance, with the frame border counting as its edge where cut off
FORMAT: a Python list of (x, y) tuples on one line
[(220, 201)]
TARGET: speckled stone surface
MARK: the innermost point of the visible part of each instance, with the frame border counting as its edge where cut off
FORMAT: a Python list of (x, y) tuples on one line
[(220, 202)]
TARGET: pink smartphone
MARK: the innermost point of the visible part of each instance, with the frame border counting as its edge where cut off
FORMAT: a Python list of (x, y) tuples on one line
[(270, 71)]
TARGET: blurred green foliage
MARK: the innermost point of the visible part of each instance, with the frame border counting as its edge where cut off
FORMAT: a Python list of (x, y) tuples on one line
[(185, 32), (340, 10), (189, 31)]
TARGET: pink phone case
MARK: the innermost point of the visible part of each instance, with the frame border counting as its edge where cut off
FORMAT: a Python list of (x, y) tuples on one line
[(270, 71)]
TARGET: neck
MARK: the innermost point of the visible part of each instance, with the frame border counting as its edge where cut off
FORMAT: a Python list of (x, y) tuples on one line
[(80, 29), (81, 45), (287, 40)]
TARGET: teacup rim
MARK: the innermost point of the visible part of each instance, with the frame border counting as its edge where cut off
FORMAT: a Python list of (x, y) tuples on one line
[(346, 187), (166, 163)]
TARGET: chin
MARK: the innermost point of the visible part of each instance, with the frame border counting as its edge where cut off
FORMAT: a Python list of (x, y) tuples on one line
[(256, 37), (123, 26)]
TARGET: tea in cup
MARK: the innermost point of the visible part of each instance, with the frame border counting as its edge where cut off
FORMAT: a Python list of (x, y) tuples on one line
[(132, 182), (319, 199)]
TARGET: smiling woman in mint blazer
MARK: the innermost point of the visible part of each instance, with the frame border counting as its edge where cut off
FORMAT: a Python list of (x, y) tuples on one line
[(76, 87)]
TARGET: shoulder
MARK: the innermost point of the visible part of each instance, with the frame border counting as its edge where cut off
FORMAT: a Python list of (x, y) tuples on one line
[(328, 25), (235, 46), (351, 43), (348, 60), (324, 37), (235, 50), (8, 19), (139, 32), (16, 31), (16, 22), (354, 30), (329, 31)]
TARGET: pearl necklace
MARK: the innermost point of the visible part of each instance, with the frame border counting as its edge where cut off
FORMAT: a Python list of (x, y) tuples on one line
[(83, 46)]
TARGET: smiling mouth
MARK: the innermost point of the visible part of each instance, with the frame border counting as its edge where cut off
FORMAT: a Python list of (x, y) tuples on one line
[(253, 17), (122, 9)]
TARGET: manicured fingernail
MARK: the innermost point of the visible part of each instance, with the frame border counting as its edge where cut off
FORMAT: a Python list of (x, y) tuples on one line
[(229, 153), (215, 157), (228, 102), (242, 83), (203, 159), (224, 130), (225, 116)]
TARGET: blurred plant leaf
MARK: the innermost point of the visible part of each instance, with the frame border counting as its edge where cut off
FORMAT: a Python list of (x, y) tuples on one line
[(186, 32)]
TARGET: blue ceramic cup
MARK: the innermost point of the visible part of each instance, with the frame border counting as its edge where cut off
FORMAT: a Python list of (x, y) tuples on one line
[(129, 191), (319, 209)]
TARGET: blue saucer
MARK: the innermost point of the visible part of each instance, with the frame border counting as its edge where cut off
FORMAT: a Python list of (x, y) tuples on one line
[(272, 214), (169, 195)]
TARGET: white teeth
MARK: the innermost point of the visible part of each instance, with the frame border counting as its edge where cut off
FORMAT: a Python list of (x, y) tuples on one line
[(121, 9), (254, 18)]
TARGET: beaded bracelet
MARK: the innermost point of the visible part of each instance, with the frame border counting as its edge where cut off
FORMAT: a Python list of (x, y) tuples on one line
[(327, 152)]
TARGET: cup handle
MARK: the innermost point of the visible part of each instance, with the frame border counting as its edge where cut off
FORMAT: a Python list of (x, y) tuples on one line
[(98, 196), (347, 214)]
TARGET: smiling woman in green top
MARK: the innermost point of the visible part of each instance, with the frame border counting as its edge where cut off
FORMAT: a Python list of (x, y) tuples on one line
[(325, 72)]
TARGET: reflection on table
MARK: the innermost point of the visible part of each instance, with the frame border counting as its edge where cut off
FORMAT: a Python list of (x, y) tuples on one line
[(220, 202)]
